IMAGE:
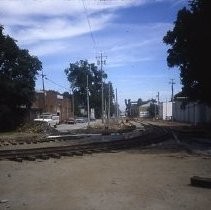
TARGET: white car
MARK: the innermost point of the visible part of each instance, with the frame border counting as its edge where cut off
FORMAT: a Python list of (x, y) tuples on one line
[(50, 119), (80, 120)]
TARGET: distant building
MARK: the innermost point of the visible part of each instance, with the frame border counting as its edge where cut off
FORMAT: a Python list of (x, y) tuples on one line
[(131, 108), (144, 110), (52, 102), (165, 110), (148, 109), (134, 109)]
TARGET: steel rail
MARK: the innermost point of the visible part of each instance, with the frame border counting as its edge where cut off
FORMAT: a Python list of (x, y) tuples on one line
[(153, 134)]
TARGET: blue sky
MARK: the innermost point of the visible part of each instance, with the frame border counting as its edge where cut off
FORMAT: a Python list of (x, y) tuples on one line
[(128, 32)]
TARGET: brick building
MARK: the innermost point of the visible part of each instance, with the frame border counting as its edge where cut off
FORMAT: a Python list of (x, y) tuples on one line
[(52, 102)]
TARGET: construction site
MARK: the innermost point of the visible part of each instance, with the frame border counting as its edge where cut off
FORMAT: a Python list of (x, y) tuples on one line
[(133, 164), (91, 117)]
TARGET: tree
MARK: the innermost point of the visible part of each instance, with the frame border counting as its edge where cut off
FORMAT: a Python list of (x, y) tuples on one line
[(18, 70), (190, 42), (77, 76), (67, 95)]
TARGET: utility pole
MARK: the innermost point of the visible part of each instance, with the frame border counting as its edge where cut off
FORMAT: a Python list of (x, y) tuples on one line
[(158, 96), (43, 88), (106, 104), (109, 102), (87, 93), (172, 83), (155, 109), (73, 103), (172, 94), (117, 114), (101, 62)]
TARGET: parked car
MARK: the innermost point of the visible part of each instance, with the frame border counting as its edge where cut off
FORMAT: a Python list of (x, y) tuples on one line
[(71, 121), (80, 120), (50, 119)]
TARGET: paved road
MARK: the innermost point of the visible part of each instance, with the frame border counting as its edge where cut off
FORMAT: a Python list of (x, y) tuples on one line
[(70, 127)]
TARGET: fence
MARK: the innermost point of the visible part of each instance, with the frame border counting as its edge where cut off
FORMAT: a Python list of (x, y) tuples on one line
[(194, 113)]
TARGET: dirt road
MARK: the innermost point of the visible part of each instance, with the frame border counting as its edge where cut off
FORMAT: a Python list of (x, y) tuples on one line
[(128, 180)]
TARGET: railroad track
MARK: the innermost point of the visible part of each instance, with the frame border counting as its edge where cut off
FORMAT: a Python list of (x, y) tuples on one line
[(152, 134)]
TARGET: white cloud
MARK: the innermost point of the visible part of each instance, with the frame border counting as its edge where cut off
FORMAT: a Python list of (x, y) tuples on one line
[(125, 46), (142, 44), (48, 48), (124, 59), (61, 7), (35, 20), (32, 21), (58, 28)]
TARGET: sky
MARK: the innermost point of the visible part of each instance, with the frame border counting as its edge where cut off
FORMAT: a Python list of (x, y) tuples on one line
[(128, 33)]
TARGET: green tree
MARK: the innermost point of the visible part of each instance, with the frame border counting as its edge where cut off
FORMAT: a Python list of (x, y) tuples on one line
[(190, 45), (77, 76), (18, 70)]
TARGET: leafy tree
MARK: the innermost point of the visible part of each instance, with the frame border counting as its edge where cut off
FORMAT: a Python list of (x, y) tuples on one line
[(67, 95), (190, 45), (18, 71), (77, 76)]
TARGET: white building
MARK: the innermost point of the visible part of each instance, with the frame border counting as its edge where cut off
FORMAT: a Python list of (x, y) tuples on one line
[(165, 110)]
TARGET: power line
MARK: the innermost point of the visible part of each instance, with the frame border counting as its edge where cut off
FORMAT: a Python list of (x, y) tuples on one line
[(50, 80), (61, 86), (89, 24)]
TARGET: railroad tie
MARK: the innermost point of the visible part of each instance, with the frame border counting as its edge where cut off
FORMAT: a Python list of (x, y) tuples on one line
[(18, 159), (200, 182), (66, 154), (43, 157), (77, 153), (87, 152), (55, 155), (30, 158)]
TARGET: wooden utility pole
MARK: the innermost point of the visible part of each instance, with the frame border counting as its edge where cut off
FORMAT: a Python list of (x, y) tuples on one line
[(101, 62), (109, 101), (87, 93), (43, 88), (73, 103), (117, 108), (172, 89)]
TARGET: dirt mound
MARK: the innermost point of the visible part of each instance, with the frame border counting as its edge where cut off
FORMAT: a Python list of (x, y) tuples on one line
[(107, 129), (37, 127)]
